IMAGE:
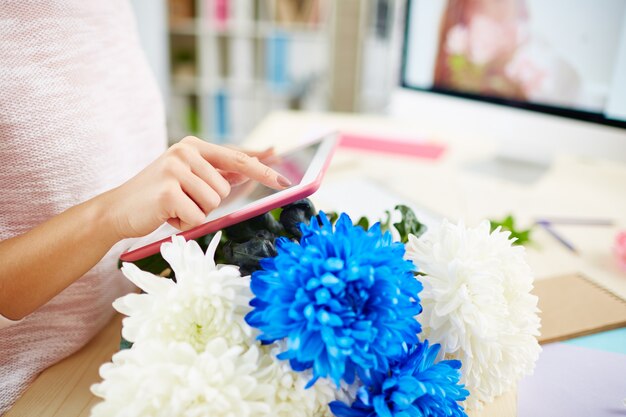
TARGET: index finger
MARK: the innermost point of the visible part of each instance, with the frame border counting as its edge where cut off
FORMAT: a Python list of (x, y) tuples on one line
[(259, 154), (242, 163)]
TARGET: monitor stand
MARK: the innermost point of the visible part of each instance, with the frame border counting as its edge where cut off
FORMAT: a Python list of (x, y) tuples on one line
[(507, 168)]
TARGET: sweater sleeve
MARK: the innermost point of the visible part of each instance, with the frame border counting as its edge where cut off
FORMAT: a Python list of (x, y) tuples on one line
[(4, 322)]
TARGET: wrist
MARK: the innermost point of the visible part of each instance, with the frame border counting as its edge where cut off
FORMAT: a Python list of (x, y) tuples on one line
[(100, 211)]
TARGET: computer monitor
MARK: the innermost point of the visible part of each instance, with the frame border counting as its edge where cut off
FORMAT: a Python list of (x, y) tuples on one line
[(538, 76)]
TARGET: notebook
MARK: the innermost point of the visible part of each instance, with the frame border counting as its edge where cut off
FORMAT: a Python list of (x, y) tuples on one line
[(572, 306)]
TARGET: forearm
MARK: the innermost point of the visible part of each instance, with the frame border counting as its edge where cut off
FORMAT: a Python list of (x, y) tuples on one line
[(39, 264), (181, 187)]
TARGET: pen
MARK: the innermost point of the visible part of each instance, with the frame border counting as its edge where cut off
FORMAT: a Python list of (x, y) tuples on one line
[(576, 221), (558, 237)]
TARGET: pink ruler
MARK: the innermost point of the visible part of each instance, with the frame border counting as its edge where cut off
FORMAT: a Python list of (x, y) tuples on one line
[(418, 149)]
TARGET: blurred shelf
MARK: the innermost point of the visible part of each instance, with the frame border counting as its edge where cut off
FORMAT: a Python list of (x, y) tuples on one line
[(204, 27), (193, 85), (235, 61)]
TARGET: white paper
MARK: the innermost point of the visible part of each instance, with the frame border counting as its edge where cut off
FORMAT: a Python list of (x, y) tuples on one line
[(364, 197)]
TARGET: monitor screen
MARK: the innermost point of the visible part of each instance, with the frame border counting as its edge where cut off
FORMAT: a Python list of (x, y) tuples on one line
[(563, 57)]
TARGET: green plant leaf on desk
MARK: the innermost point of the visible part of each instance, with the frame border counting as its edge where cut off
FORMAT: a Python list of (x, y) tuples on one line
[(408, 225), (521, 236)]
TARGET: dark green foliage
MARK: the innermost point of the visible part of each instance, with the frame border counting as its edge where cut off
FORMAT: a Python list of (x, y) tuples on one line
[(246, 243), (125, 344), (246, 230), (332, 216), (364, 223), (295, 213), (154, 264), (248, 254), (521, 236)]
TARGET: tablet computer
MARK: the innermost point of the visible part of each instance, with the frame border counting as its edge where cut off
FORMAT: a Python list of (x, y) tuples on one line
[(304, 167)]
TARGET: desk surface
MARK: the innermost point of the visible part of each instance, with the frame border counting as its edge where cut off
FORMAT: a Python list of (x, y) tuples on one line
[(572, 188)]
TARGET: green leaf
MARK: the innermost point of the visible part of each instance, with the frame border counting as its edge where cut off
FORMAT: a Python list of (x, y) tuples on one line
[(521, 236), (125, 344), (408, 225), (332, 216), (386, 224), (364, 223), (276, 213)]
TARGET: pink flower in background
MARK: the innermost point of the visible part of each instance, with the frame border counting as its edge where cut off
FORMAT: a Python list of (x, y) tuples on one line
[(482, 40), (542, 74), (620, 249), (528, 68), (488, 38), (457, 41)]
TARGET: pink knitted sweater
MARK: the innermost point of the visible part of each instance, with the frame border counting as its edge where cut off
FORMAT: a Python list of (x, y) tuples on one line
[(79, 114)]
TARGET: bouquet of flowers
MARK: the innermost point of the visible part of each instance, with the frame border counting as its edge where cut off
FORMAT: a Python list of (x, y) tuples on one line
[(299, 313)]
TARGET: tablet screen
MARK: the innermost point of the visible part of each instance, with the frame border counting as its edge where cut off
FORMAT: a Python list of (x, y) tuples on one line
[(292, 165)]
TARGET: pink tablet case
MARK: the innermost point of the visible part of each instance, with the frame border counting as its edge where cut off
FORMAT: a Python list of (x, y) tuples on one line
[(419, 149), (286, 197)]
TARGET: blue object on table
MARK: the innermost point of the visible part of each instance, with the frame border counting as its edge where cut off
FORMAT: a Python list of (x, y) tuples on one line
[(222, 126), (276, 61), (611, 341)]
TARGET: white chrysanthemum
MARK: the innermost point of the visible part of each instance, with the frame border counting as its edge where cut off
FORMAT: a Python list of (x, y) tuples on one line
[(477, 305), (291, 398), (206, 301), (156, 379)]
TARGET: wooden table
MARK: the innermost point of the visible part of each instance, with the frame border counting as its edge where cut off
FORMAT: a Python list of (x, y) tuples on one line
[(572, 188), (63, 389)]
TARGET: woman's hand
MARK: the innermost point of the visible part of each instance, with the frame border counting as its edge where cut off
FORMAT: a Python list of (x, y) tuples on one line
[(182, 186)]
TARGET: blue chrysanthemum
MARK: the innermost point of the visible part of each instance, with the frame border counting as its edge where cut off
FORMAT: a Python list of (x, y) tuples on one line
[(344, 299), (415, 386)]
